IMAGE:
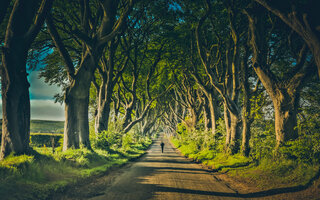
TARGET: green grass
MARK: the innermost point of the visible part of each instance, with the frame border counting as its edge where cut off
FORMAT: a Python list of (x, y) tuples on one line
[(267, 174), (40, 175), (45, 126), (270, 174)]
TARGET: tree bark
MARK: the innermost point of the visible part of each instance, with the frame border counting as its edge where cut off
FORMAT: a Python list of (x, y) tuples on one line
[(227, 124), (76, 129), (104, 101), (246, 105), (15, 100), (285, 107), (206, 116), (285, 93), (234, 134), (24, 24)]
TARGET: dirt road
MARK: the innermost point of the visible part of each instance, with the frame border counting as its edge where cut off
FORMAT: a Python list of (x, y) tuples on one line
[(165, 176)]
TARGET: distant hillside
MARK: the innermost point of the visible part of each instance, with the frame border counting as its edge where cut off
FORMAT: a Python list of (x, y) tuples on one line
[(44, 126)]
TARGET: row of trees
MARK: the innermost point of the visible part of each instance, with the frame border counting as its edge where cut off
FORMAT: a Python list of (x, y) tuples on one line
[(235, 55), (159, 63), (108, 46)]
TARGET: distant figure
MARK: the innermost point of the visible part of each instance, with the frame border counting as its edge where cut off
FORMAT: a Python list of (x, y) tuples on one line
[(162, 146)]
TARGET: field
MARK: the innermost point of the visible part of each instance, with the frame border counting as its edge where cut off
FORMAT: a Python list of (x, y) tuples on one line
[(43, 126)]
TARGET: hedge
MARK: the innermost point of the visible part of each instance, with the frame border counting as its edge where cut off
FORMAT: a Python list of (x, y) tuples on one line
[(45, 139)]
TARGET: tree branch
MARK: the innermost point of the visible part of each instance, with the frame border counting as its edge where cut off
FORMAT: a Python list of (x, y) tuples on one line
[(60, 46)]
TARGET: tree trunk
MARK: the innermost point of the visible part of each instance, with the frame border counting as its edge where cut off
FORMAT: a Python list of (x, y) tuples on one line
[(104, 102), (227, 124), (206, 117), (213, 108), (106, 90), (193, 119), (76, 130), (285, 107), (24, 24), (15, 100), (246, 105), (234, 134), (246, 134), (246, 121)]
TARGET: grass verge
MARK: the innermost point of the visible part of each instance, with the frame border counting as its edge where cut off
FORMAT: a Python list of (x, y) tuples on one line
[(267, 174), (44, 173)]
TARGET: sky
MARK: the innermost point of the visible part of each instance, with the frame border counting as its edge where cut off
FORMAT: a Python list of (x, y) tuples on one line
[(41, 100)]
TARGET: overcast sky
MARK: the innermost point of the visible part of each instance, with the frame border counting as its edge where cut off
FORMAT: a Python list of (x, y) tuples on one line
[(42, 102)]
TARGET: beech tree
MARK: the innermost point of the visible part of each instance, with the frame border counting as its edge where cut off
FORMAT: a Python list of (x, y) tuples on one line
[(226, 80), (284, 91), (109, 74), (96, 27), (24, 24)]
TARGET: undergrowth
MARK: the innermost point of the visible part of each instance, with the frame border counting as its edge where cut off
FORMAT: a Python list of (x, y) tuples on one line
[(295, 163), (42, 174)]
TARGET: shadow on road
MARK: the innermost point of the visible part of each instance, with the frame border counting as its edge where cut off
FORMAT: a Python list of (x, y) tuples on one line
[(170, 176)]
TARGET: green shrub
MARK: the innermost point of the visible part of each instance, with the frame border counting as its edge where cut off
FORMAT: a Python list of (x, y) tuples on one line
[(45, 139), (306, 149), (263, 140), (127, 140), (107, 139)]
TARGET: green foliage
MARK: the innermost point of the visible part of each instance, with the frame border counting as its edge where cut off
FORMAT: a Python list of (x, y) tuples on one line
[(263, 140), (107, 139), (45, 126), (45, 173), (15, 162), (45, 139), (127, 140), (80, 157), (306, 149), (282, 173)]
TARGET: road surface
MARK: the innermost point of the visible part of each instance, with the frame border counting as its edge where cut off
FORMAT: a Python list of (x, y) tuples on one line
[(165, 176)]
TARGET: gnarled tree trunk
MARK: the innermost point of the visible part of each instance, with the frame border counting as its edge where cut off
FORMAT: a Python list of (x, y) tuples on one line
[(76, 128), (15, 100), (285, 93), (285, 108), (23, 26)]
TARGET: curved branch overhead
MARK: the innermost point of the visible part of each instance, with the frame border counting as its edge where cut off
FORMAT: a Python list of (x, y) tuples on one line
[(219, 77)]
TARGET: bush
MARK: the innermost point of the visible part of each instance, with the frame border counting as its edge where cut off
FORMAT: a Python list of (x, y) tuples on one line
[(127, 141), (107, 139), (306, 149), (45, 139)]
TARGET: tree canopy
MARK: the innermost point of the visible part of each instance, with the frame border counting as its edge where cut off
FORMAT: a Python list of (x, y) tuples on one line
[(227, 68)]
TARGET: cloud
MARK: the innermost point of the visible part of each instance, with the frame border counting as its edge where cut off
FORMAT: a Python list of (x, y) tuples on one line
[(47, 110), (41, 100), (39, 89), (44, 110)]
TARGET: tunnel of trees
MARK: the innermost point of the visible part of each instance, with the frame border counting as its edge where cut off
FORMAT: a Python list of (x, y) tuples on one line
[(244, 74)]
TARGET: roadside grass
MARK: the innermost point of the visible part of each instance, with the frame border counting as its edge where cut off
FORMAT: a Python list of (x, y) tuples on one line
[(270, 174), (42, 174), (264, 175)]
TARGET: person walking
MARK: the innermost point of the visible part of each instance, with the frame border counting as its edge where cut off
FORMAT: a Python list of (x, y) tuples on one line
[(162, 146)]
